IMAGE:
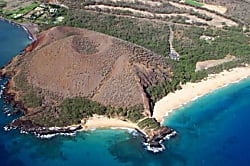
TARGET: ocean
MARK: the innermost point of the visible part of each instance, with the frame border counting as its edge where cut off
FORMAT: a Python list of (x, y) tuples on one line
[(212, 130)]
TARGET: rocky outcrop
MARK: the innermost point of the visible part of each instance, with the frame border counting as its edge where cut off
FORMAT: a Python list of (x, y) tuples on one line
[(154, 138), (33, 45), (27, 126), (9, 97)]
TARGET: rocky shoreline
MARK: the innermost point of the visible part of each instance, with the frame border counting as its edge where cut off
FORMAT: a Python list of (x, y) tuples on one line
[(152, 143), (10, 97), (26, 126), (153, 140)]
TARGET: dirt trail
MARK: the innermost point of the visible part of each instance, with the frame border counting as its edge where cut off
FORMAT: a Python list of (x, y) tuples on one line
[(217, 8), (211, 63), (148, 2), (217, 21), (134, 11), (173, 53)]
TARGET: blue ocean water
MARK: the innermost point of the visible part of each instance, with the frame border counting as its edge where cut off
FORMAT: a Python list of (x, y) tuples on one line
[(212, 130), (13, 39), (215, 129)]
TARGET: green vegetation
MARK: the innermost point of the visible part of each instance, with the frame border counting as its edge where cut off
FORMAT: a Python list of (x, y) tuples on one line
[(135, 113), (2, 4), (31, 100), (161, 89), (42, 14), (193, 3), (132, 113), (201, 16), (80, 107), (73, 110), (27, 8), (70, 111), (193, 49), (149, 123), (28, 95), (15, 14), (20, 82), (151, 35)]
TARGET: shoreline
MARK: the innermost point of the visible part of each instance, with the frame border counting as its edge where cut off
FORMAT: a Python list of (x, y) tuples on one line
[(103, 122), (193, 91), (29, 31)]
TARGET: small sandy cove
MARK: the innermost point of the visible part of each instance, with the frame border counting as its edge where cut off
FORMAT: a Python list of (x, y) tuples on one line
[(99, 121), (191, 91)]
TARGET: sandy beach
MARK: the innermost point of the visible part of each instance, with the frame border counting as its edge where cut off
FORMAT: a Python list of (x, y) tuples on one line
[(172, 101), (191, 91), (99, 121)]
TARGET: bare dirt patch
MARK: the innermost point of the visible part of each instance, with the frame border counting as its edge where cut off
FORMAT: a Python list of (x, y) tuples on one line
[(211, 63), (217, 8), (148, 2), (217, 20)]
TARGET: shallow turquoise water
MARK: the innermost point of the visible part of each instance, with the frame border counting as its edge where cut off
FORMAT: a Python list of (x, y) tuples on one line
[(215, 129), (212, 130)]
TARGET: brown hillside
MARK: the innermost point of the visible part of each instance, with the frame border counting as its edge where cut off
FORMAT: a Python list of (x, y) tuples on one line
[(73, 62)]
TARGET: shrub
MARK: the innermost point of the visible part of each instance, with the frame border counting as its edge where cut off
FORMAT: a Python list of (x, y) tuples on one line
[(30, 99), (149, 123), (3, 4)]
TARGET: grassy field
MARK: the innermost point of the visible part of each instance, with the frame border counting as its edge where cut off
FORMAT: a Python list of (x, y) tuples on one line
[(2, 4), (13, 14), (193, 3)]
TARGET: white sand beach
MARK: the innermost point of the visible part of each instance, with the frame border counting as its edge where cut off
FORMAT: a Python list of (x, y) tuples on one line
[(99, 121), (191, 91)]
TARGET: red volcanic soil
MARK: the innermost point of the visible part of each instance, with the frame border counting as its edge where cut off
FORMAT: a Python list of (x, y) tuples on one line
[(73, 62), (34, 44)]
